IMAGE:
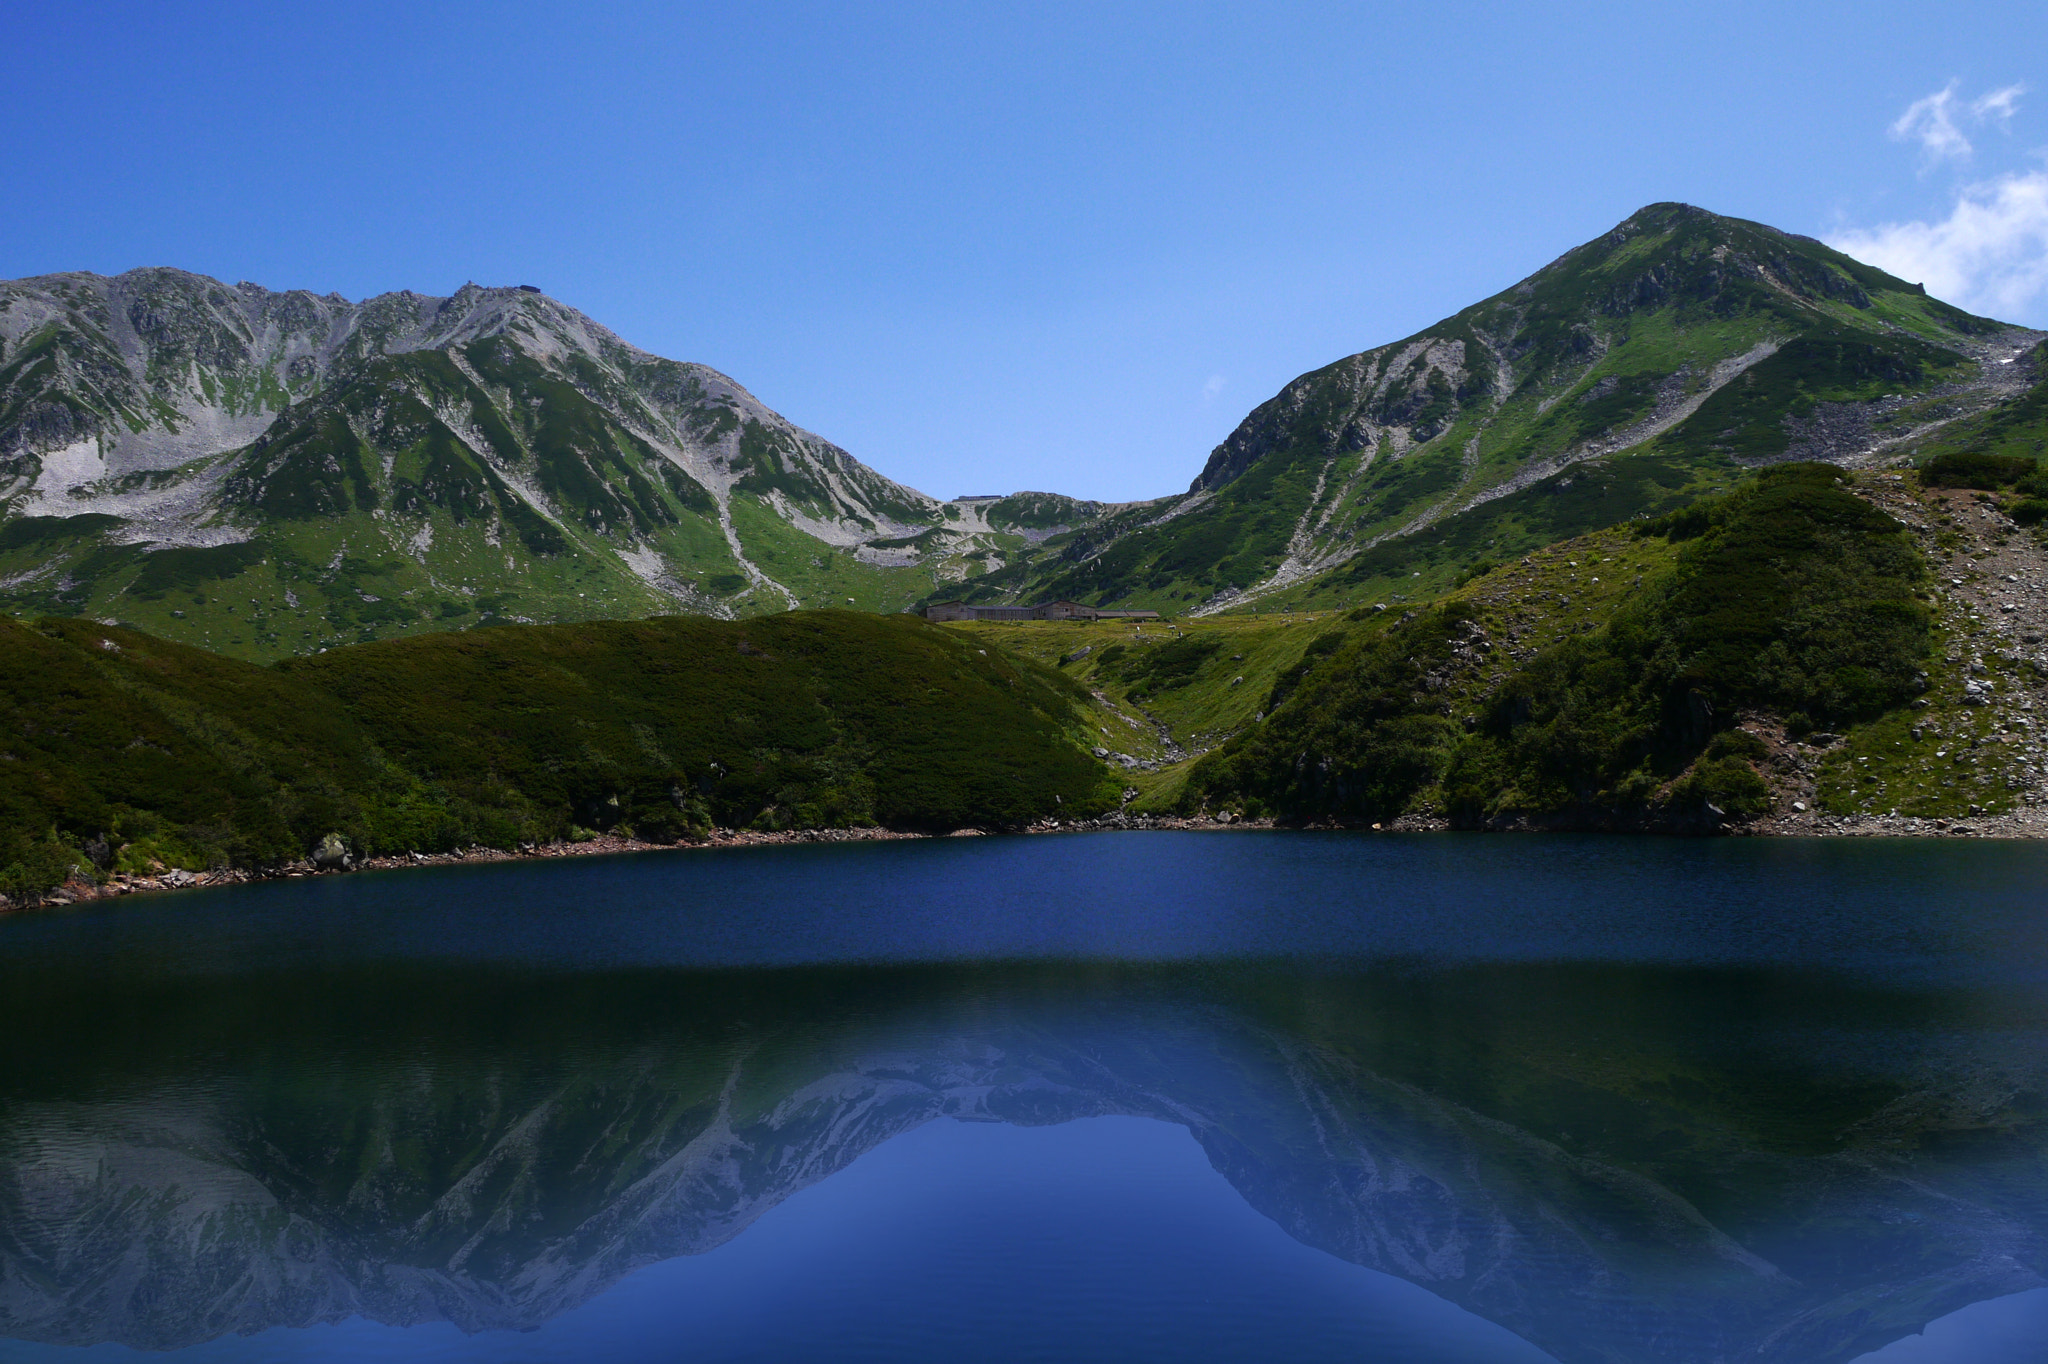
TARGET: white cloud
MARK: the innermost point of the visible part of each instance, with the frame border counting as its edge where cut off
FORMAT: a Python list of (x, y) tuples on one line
[(1931, 121), (1211, 387), (1999, 104), (1934, 121), (1990, 255)]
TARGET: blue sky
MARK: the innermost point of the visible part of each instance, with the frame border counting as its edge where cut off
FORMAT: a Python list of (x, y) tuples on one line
[(997, 247)]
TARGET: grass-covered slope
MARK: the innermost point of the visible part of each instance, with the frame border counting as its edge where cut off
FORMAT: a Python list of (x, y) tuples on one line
[(1165, 690), (118, 749), (1790, 596)]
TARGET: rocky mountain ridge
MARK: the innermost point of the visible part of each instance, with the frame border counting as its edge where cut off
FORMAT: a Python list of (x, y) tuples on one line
[(492, 454), (271, 473), (1632, 374), (159, 367)]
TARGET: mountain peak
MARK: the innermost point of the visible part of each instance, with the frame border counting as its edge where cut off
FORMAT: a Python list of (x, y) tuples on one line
[(1681, 334), (449, 446), (161, 409)]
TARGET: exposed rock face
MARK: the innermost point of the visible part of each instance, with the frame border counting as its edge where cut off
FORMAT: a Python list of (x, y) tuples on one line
[(149, 370), (493, 444)]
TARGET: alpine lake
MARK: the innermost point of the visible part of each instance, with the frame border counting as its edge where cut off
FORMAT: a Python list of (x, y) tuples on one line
[(1176, 1096)]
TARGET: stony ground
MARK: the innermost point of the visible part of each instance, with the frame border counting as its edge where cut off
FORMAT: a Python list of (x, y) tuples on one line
[(1971, 760), (78, 889)]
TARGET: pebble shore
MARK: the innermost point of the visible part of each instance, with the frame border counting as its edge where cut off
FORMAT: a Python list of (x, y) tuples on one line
[(2024, 824)]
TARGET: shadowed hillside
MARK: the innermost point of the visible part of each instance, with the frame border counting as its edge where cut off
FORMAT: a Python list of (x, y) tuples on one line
[(120, 749)]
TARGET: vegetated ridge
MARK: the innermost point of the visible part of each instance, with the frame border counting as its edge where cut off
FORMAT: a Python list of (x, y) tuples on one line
[(1787, 657), (1790, 597), (1816, 650), (122, 753), (1634, 374)]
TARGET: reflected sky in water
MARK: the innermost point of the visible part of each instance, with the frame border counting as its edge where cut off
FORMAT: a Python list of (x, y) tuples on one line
[(1198, 1097), (1098, 1239)]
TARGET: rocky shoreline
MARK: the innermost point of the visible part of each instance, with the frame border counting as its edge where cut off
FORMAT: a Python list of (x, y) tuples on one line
[(77, 890), (2023, 824)]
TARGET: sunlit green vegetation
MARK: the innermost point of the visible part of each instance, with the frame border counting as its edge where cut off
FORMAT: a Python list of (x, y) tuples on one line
[(1789, 595)]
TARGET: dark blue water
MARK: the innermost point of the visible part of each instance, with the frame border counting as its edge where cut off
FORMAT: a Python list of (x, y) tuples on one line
[(1888, 908), (1244, 1096)]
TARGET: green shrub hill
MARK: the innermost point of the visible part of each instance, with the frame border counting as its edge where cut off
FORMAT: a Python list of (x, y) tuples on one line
[(119, 750), (1789, 595)]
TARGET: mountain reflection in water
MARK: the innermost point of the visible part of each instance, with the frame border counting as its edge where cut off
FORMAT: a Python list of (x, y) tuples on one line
[(1616, 1162)]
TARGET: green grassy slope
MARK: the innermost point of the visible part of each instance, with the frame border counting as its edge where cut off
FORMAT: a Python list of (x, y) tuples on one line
[(1163, 689), (1589, 496), (817, 573), (118, 749), (1790, 596)]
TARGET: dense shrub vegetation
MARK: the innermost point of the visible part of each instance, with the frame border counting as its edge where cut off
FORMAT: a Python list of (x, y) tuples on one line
[(810, 719), (1163, 667), (1359, 738), (1790, 595), (1980, 469), (118, 749)]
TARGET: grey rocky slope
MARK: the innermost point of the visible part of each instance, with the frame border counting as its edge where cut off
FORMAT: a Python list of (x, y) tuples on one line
[(1629, 375), (347, 469), (172, 447)]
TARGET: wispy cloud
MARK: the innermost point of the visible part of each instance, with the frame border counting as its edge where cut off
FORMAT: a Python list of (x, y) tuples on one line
[(1989, 255), (2000, 105), (1931, 121), (1935, 121), (1212, 386)]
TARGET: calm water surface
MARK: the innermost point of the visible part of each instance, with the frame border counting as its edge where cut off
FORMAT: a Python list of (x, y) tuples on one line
[(1187, 1096)]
